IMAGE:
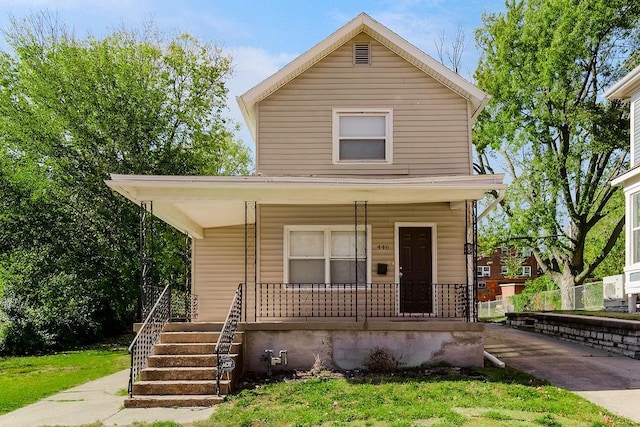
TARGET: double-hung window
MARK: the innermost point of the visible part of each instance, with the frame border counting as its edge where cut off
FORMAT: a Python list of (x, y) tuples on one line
[(362, 135), (484, 271), (325, 255), (525, 271)]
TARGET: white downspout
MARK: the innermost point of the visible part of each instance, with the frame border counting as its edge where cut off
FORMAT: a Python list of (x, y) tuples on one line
[(499, 363)]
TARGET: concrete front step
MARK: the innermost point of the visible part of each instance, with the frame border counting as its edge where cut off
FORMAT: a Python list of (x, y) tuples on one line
[(177, 373), (189, 337), (185, 360), (190, 348), (159, 401), (178, 388), (193, 327)]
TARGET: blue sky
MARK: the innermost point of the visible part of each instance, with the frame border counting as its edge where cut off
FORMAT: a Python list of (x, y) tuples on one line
[(264, 35)]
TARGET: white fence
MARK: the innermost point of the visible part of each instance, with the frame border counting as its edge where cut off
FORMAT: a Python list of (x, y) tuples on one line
[(583, 297)]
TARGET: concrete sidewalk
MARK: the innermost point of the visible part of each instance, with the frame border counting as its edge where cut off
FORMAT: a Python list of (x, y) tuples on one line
[(608, 380), (95, 401)]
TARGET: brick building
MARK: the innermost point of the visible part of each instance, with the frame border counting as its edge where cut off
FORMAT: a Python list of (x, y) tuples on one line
[(493, 274)]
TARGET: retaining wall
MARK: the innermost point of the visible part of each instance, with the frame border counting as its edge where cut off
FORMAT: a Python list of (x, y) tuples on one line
[(614, 335)]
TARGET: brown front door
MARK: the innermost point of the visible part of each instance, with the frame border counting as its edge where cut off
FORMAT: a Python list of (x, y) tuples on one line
[(416, 293)]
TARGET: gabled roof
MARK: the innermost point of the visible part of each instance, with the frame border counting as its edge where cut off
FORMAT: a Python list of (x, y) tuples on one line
[(626, 87), (361, 23)]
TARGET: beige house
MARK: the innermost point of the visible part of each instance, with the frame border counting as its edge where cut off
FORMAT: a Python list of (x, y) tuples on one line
[(358, 228), (628, 89)]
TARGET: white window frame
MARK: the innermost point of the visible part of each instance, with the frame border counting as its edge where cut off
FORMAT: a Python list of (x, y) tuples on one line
[(525, 271), (483, 271), (327, 229), (503, 270), (388, 147)]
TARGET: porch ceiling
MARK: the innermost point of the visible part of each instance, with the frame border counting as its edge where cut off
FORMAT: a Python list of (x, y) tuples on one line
[(193, 203)]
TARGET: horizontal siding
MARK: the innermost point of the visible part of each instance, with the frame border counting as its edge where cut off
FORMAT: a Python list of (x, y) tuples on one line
[(218, 268), (450, 234), (430, 121)]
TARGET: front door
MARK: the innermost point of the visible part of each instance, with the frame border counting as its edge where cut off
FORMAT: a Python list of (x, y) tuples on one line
[(416, 293)]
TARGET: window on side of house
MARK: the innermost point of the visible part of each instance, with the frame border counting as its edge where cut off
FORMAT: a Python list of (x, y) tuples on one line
[(503, 270), (325, 255), (525, 271), (362, 136), (484, 271), (635, 228)]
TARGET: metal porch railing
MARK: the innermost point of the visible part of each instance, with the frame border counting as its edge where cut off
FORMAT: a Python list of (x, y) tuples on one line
[(149, 334), (225, 340), (360, 302)]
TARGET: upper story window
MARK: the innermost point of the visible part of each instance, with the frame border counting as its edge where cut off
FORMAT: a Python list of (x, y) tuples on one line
[(362, 136), (484, 271)]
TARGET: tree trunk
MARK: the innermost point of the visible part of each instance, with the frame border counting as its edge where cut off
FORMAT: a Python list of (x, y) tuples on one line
[(566, 284)]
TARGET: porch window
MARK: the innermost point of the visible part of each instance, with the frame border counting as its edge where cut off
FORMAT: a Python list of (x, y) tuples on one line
[(635, 228), (362, 136), (325, 254)]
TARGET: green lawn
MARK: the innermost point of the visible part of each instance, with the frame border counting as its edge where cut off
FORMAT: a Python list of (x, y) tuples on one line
[(484, 397), (24, 380)]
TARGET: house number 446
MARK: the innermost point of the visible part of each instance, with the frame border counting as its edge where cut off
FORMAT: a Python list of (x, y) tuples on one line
[(383, 247)]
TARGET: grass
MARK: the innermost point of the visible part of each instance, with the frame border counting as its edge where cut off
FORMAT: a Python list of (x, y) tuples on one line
[(24, 380), (486, 397)]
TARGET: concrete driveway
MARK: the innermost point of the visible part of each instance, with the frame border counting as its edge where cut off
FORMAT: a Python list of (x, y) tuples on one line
[(608, 380)]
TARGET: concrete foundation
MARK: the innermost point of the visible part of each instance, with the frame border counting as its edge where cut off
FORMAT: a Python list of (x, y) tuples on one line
[(346, 345)]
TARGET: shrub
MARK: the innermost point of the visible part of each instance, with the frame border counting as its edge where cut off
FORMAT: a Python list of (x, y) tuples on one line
[(381, 360)]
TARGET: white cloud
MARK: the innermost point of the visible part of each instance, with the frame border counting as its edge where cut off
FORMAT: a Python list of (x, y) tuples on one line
[(251, 66)]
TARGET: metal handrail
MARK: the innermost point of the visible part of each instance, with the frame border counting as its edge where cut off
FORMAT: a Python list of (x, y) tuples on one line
[(151, 337), (223, 345)]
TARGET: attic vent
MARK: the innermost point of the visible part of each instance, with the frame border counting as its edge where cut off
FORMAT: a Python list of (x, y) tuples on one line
[(361, 53)]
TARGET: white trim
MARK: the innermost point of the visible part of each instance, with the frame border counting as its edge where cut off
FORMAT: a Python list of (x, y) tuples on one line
[(336, 113), (434, 257), (632, 109), (327, 247), (193, 203)]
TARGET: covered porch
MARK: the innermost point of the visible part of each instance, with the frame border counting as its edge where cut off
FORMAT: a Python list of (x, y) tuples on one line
[(258, 235)]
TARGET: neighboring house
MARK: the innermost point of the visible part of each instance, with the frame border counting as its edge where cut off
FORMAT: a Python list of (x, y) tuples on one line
[(628, 89), (360, 217), (493, 275)]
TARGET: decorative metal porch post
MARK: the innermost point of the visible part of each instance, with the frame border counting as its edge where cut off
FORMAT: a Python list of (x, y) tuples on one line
[(190, 299), (361, 215), (471, 250)]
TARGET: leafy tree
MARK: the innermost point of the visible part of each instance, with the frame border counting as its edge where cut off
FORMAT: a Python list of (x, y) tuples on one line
[(72, 111), (546, 64), (512, 262)]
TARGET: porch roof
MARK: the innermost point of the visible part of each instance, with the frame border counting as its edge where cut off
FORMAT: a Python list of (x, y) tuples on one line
[(193, 203)]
